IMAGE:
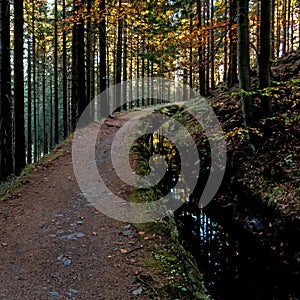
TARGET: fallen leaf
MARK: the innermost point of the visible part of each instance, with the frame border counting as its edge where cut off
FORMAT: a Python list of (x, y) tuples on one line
[(110, 256), (94, 233), (123, 251), (141, 232), (4, 244)]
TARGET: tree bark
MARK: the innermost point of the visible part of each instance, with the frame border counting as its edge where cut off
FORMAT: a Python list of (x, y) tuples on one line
[(79, 102), (265, 55), (6, 159), (104, 105), (201, 64), (64, 77), (244, 61), (56, 136), (29, 107), (232, 68), (118, 73), (19, 87)]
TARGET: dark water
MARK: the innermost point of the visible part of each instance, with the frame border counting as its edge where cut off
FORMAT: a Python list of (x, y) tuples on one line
[(233, 265)]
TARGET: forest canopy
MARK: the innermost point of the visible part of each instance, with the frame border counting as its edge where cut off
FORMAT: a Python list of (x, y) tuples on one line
[(56, 56)]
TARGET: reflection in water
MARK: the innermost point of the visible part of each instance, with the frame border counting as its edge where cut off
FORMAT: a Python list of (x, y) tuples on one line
[(233, 267)]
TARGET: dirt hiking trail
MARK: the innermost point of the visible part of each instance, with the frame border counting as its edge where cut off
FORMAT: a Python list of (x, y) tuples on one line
[(55, 245)]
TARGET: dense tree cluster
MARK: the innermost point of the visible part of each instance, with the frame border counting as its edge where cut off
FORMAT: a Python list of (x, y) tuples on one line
[(55, 56)]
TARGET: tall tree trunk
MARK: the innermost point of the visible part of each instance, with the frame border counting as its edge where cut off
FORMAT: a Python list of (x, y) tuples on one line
[(6, 159), (143, 73), (50, 130), (137, 100), (82, 101), (45, 134), (212, 50), (88, 53), (244, 61), (130, 93), (35, 112), (19, 87), (104, 105), (273, 31), (191, 69), (224, 79), (207, 52), (201, 48), (265, 55), (78, 68), (288, 40), (64, 77), (29, 106), (118, 73), (125, 75), (278, 31), (232, 71), (284, 29), (56, 136)]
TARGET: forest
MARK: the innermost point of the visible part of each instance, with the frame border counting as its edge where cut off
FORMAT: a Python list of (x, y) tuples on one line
[(243, 56), (58, 55)]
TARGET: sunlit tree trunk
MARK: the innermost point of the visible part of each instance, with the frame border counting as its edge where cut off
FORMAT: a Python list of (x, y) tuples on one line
[(34, 85), (225, 45), (284, 28), (207, 52), (56, 137), (125, 74), (288, 40), (118, 58), (143, 74), (212, 59), (201, 48), (191, 60), (273, 31)]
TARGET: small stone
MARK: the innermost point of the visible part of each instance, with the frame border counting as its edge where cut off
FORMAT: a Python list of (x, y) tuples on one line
[(70, 237), (54, 294), (127, 233), (60, 231), (137, 292), (60, 258), (67, 262), (56, 274), (80, 235), (73, 291)]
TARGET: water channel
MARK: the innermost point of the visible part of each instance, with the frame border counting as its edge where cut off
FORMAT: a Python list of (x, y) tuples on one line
[(232, 264)]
